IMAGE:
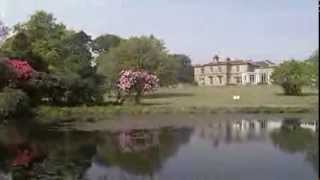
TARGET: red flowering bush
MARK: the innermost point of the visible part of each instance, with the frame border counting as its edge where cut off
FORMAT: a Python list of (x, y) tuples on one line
[(139, 82), (21, 69)]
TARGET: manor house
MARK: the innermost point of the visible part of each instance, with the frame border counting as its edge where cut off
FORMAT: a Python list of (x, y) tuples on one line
[(229, 71)]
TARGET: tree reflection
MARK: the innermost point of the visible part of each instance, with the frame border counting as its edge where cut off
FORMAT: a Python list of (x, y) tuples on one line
[(26, 153), (292, 138), (141, 152), (292, 141), (312, 154)]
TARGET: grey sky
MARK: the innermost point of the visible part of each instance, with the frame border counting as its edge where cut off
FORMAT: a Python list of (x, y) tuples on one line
[(251, 29)]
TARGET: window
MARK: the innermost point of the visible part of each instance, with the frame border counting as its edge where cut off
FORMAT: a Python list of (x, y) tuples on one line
[(211, 79), (237, 68), (263, 78), (202, 70), (211, 68), (202, 81), (220, 79), (219, 69), (238, 80), (251, 79)]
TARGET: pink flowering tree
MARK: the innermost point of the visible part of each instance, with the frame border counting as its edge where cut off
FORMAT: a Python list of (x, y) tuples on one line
[(136, 82)]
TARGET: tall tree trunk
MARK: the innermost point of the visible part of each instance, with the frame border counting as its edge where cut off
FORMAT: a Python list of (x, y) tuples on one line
[(137, 97)]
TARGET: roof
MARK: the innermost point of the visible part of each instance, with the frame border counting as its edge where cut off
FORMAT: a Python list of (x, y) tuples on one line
[(264, 64), (232, 62), (261, 64)]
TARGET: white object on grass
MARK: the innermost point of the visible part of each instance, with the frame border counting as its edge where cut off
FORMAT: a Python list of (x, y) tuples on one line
[(236, 97)]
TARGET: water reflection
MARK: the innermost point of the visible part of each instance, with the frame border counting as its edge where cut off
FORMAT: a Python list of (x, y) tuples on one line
[(295, 136), (137, 152), (34, 153), (241, 131)]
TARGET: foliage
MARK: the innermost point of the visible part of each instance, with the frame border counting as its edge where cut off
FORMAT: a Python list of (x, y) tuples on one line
[(3, 31), (104, 42), (144, 52), (22, 70), (4, 73), (147, 53), (19, 47), (292, 76), (184, 70), (313, 68), (122, 149), (138, 82), (83, 90), (107, 69), (61, 56), (77, 55), (292, 140), (14, 72), (167, 71), (36, 40), (13, 102)]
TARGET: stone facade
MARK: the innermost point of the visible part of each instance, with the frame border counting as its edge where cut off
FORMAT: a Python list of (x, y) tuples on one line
[(221, 72)]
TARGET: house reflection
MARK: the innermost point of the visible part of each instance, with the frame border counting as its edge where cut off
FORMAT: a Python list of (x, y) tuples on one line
[(240, 131), (138, 140)]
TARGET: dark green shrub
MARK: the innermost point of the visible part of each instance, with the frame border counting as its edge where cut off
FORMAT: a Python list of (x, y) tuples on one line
[(13, 103), (4, 73)]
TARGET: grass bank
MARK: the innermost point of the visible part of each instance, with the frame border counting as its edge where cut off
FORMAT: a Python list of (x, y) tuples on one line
[(190, 99)]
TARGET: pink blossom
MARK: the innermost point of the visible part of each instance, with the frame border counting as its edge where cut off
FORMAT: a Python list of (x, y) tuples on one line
[(137, 80), (22, 69)]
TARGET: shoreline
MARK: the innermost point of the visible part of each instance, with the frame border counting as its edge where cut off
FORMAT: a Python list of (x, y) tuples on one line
[(47, 114)]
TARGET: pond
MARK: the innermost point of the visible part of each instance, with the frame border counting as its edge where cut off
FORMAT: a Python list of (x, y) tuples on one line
[(234, 147)]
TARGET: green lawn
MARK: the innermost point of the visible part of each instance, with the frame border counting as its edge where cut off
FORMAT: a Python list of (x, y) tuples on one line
[(191, 99), (213, 97)]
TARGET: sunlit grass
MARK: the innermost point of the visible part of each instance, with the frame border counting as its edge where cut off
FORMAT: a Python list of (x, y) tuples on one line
[(191, 99), (250, 96)]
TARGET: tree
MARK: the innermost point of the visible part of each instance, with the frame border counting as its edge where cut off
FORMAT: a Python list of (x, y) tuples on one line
[(184, 68), (313, 66), (76, 55), (63, 57), (37, 41), (19, 46), (292, 76), (42, 26), (138, 82), (3, 31), (136, 53), (82, 83), (104, 42), (167, 71)]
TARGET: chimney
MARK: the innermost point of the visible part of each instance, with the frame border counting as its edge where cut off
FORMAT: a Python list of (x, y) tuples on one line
[(216, 58)]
